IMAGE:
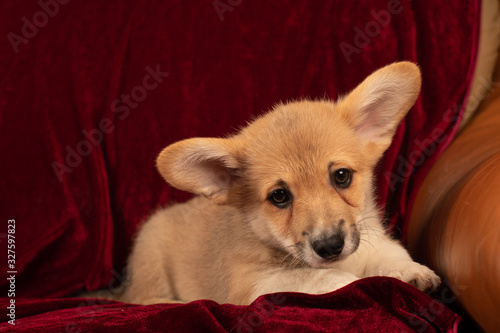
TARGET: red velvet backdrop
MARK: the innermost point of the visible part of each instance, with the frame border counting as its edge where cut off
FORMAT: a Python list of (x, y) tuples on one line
[(91, 91)]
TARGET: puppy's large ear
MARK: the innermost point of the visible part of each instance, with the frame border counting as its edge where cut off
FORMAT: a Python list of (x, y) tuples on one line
[(375, 107), (205, 166)]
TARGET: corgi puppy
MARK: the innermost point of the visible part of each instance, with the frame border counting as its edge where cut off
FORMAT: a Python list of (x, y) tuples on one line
[(287, 204)]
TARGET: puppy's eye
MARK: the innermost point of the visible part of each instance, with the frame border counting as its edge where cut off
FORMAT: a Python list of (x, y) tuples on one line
[(342, 178), (281, 198)]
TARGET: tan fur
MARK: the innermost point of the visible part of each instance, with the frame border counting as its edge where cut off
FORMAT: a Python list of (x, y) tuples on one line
[(231, 244)]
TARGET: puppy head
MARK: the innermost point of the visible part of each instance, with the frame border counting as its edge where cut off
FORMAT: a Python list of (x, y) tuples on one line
[(302, 173)]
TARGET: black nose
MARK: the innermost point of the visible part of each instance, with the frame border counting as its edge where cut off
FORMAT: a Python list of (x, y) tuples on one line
[(329, 247)]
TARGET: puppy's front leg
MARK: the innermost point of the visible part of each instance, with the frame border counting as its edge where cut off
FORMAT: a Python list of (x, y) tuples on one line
[(304, 280), (387, 257)]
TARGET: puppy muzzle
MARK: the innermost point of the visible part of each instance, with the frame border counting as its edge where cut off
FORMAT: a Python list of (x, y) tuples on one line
[(329, 248)]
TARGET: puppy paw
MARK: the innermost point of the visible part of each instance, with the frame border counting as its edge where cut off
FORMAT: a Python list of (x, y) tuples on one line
[(312, 281), (332, 280), (334, 283), (413, 273)]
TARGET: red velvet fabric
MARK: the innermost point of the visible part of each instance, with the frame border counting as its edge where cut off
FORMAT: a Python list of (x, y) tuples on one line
[(368, 305), (91, 91)]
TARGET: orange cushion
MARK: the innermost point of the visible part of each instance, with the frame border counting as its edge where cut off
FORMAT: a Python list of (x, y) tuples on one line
[(455, 222)]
